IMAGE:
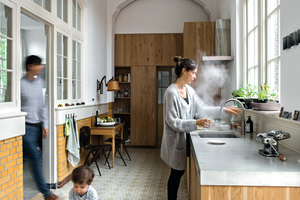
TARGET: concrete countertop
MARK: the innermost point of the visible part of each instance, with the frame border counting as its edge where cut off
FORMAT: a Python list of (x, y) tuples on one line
[(238, 163)]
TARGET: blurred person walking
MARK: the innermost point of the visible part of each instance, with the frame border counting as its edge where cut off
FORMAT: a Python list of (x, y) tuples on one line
[(32, 102)]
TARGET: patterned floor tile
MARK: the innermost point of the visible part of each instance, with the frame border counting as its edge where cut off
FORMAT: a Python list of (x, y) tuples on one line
[(144, 178)]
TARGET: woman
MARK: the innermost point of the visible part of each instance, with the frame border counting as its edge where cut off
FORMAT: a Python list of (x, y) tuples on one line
[(181, 103)]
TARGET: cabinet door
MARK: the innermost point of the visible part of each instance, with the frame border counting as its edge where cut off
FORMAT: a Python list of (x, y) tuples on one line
[(143, 105)]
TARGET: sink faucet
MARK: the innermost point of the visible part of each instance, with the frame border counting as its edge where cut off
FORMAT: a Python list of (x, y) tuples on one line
[(243, 112)]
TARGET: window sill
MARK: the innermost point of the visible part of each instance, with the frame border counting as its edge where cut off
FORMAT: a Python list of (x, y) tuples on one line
[(12, 125)]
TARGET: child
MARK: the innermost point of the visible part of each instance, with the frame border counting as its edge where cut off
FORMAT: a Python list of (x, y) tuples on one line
[(82, 178)]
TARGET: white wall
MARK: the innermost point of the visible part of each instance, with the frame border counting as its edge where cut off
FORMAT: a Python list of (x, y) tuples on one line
[(96, 46), (158, 16), (290, 59), (226, 9)]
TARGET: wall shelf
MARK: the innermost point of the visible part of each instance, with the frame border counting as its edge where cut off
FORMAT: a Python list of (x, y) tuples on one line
[(217, 60), (122, 97)]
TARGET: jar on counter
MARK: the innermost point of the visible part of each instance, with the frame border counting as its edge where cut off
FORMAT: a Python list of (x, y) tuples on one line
[(125, 78), (120, 78)]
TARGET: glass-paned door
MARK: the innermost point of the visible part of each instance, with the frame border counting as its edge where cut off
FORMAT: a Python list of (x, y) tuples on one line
[(165, 76)]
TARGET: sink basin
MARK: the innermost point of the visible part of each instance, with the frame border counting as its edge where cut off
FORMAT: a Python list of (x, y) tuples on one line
[(218, 135)]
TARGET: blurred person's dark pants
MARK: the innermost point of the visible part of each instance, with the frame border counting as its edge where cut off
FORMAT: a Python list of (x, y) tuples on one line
[(173, 183), (32, 153)]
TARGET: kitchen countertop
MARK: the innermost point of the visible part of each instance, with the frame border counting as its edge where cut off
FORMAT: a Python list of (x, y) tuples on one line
[(238, 163)]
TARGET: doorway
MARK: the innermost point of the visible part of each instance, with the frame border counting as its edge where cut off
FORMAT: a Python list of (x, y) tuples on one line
[(34, 40), (165, 77)]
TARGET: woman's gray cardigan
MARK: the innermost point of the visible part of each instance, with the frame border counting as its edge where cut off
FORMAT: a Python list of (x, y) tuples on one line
[(178, 119)]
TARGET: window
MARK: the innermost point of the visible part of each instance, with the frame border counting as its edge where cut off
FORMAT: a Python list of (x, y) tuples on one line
[(273, 47), (46, 4), (69, 52), (62, 67), (262, 42), (76, 15), (62, 10), (76, 70), (6, 71), (252, 38)]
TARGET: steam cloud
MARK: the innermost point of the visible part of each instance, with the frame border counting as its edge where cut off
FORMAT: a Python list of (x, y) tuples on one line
[(210, 79)]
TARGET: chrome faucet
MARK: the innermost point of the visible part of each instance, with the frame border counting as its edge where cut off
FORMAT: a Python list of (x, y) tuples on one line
[(243, 112)]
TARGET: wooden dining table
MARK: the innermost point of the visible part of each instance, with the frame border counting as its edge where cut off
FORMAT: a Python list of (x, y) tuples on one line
[(110, 131)]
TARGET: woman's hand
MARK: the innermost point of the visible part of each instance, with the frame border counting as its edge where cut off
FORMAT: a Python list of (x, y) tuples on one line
[(232, 110), (201, 122)]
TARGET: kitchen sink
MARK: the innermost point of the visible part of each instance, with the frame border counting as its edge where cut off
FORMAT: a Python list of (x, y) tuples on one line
[(219, 134)]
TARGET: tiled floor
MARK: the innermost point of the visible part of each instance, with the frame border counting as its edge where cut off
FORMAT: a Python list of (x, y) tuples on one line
[(145, 177)]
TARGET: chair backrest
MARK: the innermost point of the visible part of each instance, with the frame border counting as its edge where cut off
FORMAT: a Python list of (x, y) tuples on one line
[(85, 136)]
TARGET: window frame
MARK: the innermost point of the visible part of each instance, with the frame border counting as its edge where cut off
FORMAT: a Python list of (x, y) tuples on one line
[(72, 35), (44, 5), (15, 82), (262, 44), (62, 11), (67, 67), (77, 80), (78, 4)]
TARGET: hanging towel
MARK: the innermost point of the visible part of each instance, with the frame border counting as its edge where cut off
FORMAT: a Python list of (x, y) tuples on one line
[(73, 144), (67, 126)]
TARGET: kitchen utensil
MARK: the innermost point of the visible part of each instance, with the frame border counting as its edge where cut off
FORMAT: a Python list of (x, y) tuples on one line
[(270, 142), (281, 157)]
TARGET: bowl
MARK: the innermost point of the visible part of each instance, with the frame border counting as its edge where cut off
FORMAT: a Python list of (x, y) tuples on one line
[(225, 127), (107, 123)]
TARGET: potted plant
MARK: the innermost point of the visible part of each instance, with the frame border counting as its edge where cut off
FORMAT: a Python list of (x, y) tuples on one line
[(245, 95), (239, 95), (250, 91), (266, 99)]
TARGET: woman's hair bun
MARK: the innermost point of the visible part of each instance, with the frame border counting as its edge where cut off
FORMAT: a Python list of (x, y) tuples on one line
[(177, 59)]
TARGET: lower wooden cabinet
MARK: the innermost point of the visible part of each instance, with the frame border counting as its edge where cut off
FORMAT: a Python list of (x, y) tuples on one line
[(216, 192)]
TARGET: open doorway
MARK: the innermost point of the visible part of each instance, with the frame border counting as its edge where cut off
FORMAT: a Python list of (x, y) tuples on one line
[(165, 77), (34, 36)]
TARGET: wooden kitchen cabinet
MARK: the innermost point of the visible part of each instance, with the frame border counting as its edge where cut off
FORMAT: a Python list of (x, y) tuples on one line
[(196, 191), (122, 103), (143, 105), (142, 53), (141, 115), (198, 40)]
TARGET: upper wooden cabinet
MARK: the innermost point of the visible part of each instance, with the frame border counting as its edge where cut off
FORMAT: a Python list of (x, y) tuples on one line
[(147, 49), (198, 40)]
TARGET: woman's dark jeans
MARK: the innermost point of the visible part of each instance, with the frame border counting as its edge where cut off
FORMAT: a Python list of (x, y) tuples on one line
[(173, 183)]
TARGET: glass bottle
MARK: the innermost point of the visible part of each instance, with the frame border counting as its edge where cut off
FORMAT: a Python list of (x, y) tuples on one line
[(97, 120), (126, 92), (249, 125)]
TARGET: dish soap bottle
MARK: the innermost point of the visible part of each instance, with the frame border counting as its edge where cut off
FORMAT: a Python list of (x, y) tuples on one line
[(249, 125)]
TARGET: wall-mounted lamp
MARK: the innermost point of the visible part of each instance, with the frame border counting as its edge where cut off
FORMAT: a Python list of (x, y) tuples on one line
[(111, 85)]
